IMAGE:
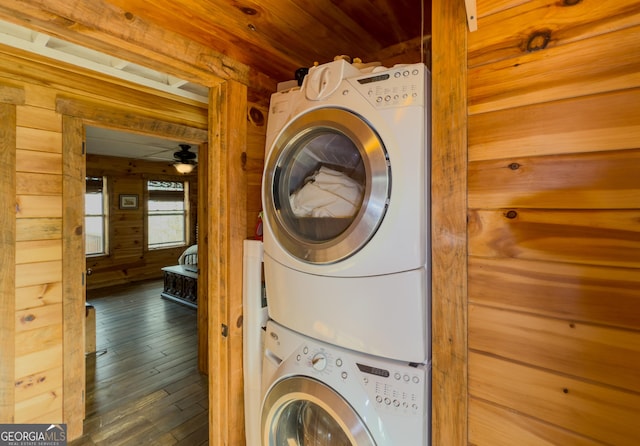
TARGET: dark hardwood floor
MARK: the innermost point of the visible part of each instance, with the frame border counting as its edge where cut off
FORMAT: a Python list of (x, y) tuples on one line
[(143, 386)]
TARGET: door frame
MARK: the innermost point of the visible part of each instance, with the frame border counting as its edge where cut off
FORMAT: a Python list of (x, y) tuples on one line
[(76, 114)]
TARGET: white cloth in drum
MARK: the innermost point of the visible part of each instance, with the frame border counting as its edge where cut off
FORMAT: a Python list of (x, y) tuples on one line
[(328, 193)]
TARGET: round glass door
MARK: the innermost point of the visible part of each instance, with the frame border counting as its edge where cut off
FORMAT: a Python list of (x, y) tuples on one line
[(301, 411), (327, 184)]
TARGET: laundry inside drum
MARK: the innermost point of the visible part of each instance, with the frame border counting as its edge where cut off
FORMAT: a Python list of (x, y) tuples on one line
[(326, 186)]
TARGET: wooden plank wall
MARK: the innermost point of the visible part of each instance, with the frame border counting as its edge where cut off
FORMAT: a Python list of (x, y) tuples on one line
[(38, 280), (129, 260), (253, 158), (554, 240)]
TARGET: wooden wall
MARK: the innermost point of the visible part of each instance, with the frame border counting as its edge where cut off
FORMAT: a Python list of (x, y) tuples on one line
[(554, 206), (35, 97), (128, 259), (253, 156), (38, 296)]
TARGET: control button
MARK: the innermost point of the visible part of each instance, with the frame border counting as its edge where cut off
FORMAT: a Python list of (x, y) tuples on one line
[(406, 378), (397, 375), (416, 379), (379, 99), (396, 403), (414, 406), (339, 362), (378, 398), (365, 380), (298, 358), (387, 98), (387, 401), (344, 375), (415, 71), (305, 350), (396, 74), (405, 73), (405, 404)]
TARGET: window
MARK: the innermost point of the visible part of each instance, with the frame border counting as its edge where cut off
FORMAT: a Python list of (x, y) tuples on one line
[(95, 216), (167, 208)]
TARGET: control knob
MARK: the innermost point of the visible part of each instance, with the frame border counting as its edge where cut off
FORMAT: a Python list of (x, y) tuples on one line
[(319, 362)]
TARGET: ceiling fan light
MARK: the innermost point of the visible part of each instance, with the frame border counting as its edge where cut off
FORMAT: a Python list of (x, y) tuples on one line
[(184, 168), (185, 160)]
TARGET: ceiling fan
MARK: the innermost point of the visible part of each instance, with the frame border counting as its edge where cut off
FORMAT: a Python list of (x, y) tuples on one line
[(185, 160)]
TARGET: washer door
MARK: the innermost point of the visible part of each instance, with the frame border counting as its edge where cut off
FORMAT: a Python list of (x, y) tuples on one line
[(300, 411), (326, 186)]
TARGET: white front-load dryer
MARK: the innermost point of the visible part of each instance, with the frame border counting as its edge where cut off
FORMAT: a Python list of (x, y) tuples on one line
[(346, 200), (315, 393)]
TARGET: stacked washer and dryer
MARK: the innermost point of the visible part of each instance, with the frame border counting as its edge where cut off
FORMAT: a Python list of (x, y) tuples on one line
[(346, 358)]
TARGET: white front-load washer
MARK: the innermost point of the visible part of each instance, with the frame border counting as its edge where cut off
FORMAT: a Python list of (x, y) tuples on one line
[(346, 200), (319, 394)]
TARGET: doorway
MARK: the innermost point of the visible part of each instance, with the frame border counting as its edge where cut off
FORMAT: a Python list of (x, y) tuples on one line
[(73, 249)]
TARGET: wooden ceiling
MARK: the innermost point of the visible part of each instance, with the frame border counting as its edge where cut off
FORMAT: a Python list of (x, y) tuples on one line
[(273, 37), (278, 36)]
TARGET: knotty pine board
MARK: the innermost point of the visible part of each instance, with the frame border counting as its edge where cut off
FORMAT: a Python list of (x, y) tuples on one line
[(508, 29), (598, 180), (603, 63), (37, 295), (604, 413), (585, 293), (588, 237), (28, 183), (598, 354), (499, 426), (602, 122), (38, 273), (39, 162), (38, 140), (33, 206)]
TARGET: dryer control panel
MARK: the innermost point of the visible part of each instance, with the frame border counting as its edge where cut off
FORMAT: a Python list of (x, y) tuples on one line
[(400, 86), (392, 386), (399, 389)]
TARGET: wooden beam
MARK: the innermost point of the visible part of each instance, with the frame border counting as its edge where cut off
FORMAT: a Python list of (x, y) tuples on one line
[(11, 95), (449, 224), (226, 232), (73, 270), (7, 260), (104, 27), (125, 119)]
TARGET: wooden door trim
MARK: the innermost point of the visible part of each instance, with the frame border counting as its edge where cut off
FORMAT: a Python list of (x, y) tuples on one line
[(7, 257), (226, 232), (449, 224), (73, 279), (127, 120)]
